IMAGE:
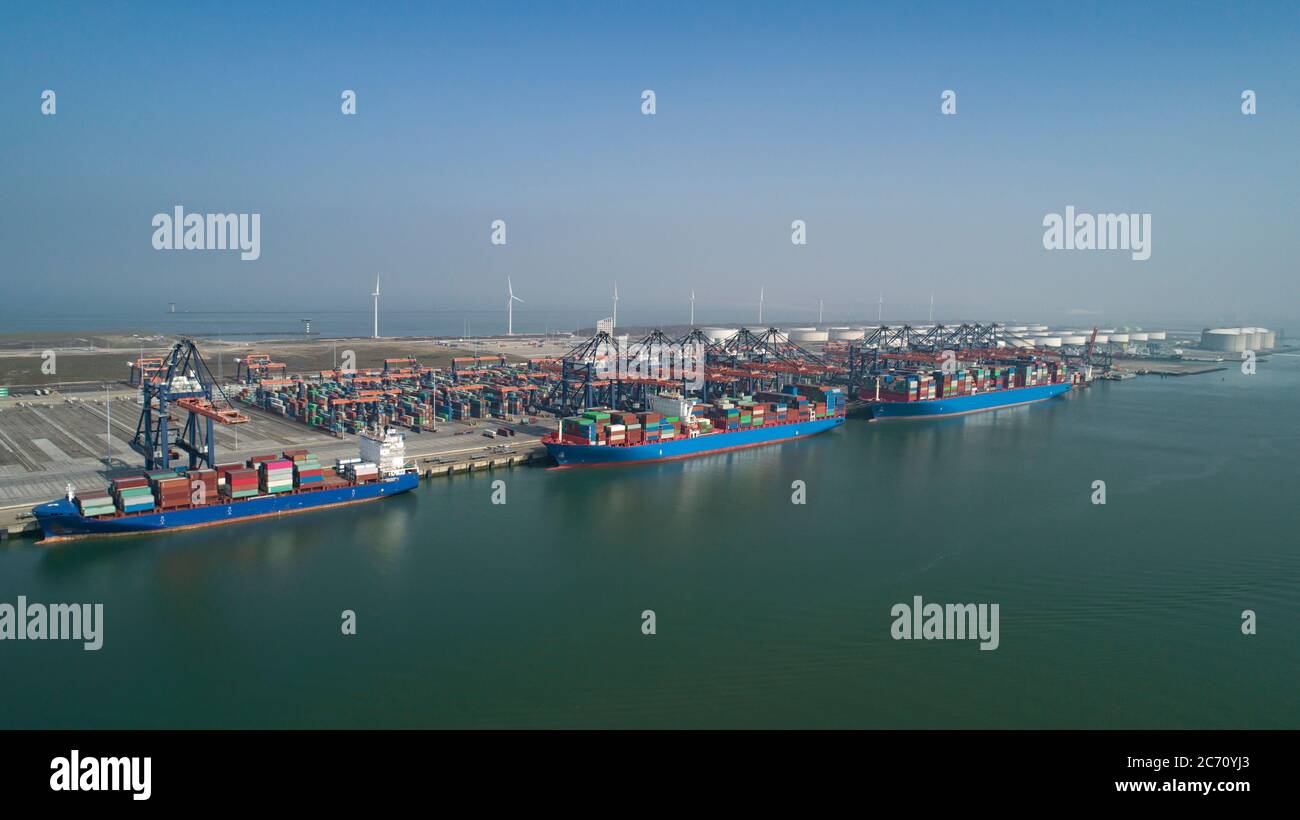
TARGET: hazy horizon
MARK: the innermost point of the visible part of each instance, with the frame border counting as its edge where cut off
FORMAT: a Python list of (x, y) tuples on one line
[(826, 113)]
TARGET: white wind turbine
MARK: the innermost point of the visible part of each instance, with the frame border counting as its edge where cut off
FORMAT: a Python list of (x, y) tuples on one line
[(376, 296), (510, 308), (761, 291), (614, 318), (692, 307)]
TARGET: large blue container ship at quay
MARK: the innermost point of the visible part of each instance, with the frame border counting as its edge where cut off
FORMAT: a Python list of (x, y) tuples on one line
[(677, 427), (206, 498), (922, 395)]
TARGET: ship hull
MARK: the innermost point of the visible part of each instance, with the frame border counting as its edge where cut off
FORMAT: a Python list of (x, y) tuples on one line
[(963, 405), (590, 455), (61, 521)]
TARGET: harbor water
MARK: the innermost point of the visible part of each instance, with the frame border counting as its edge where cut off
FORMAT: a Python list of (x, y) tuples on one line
[(767, 613)]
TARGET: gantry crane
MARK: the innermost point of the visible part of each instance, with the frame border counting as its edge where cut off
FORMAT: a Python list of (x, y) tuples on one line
[(186, 383)]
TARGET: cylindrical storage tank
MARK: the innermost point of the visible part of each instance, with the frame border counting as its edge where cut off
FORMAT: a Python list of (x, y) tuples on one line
[(1270, 340), (1139, 337), (808, 336), (1103, 338), (1227, 339), (1119, 338), (1254, 337), (1049, 341), (1038, 328), (1074, 339), (846, 334), (799, 329), (717, 334), (1157, 335), (1018, 328)]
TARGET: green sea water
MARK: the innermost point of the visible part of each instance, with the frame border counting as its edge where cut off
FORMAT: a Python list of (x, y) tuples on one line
[(767, 613)]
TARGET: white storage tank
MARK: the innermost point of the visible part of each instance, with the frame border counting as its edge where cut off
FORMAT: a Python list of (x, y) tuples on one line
[(1038, 328), (1049, 341), (1157, 335), (844, 334), (1227, 339), (1074, 339), (1139, 337), (808, 336), (717, 334), (1119, 338)]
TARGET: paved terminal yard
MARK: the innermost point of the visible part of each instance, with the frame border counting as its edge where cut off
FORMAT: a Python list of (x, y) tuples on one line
[(47, 442)]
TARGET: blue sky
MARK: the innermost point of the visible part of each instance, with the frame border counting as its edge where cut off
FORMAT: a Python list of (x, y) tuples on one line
[(826, 112)]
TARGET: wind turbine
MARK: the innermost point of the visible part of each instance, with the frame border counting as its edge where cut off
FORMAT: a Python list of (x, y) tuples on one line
[(931, 307), (821, 304), (376, 295), (880, 308), (510, 308), (761, 291), (692, 307), (614, 318)]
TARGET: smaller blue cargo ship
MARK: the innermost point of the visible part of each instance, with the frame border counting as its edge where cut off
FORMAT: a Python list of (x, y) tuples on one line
[(206, 498), (677, 427)]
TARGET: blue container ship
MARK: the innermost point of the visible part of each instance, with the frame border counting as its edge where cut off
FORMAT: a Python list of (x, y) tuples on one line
[(678, 428), (924, 395), (961, 405), (379, 473)]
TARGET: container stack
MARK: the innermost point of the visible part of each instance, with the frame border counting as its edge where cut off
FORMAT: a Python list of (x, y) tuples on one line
[(133, 494), (172, 492), (276, 476), (208, 478), (307, 471), (363, 472), (241, 482), (96, 503)]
